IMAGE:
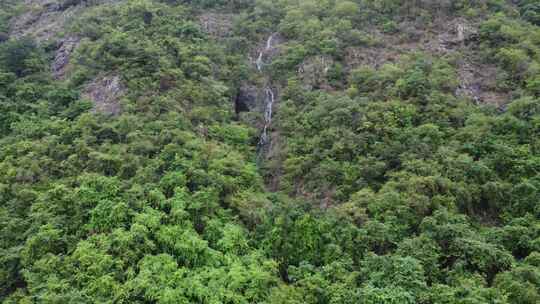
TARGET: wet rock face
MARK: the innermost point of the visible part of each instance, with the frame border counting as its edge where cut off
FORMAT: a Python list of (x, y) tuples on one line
[(272, 46), (62, 56), (265, 52), (3, 37), (248, 99), (105, 93)]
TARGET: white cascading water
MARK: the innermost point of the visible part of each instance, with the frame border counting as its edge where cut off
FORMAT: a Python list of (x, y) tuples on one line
[(269, 42), (269, 100), (259, 62), (269, 95)]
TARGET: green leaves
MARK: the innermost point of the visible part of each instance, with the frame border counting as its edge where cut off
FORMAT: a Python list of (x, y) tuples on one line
[(21, 57), (383, 184)]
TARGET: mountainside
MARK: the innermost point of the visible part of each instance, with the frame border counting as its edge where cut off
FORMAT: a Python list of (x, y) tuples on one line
[(270, 151)]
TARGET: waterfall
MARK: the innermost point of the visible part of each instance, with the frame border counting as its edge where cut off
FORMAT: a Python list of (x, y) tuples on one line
[(269, 97), (269, 100), (259, 62), (269, 42), (269, 104)]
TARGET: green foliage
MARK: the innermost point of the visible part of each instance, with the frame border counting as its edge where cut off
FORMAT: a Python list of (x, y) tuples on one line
[(530, 11), (521, 283), (381, 185), (21, 57)]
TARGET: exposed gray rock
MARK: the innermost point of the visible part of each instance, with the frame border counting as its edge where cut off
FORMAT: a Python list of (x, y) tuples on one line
[(248, 99), (373, 57), (43, 20), (267, 50), (477, 83), (460, 33), (314, 71), (458, 36), (216, 24), (4, 37), (63, 55), (272, 45), (105, 93)]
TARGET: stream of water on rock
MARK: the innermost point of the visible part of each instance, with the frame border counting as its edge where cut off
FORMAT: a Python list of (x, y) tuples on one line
[(269, 98)]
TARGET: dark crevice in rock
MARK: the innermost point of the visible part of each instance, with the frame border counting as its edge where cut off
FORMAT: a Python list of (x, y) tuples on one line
[(240, 104), (246, 99)]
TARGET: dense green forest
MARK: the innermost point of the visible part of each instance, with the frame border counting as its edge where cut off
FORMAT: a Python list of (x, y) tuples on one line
[(270, 151)]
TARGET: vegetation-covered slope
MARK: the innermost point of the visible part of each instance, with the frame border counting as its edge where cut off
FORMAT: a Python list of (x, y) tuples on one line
[(269, 151)]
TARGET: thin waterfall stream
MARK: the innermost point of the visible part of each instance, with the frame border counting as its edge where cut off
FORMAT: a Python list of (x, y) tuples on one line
[(269, 101), (259, 62), (269, 97)]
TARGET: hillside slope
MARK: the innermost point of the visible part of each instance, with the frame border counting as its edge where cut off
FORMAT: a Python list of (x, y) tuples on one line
[(334, 151)]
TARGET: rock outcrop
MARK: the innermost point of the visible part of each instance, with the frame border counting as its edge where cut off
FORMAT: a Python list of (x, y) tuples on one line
[(452, 37), (314, 72), (44, 19), (248, 99), (266, 51), (63, 55), (217, 25), (460, 34), (105, 93)]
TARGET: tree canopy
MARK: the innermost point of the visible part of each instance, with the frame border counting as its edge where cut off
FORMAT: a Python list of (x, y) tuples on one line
[(397, 171)]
